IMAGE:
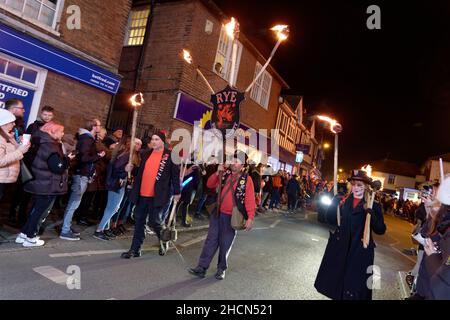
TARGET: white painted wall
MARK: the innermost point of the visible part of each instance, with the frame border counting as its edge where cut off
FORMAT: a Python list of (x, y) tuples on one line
[(435, 171), (400, 181)]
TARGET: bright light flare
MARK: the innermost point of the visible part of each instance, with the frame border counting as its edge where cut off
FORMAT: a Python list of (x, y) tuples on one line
[(232, 28), (332, 122), (282, 31), (187, 56), (137, 100), (368, 170)]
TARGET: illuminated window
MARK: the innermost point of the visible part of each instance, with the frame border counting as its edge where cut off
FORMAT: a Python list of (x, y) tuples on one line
[(43, 11), (261, 90), (137, 23), (222, 63)]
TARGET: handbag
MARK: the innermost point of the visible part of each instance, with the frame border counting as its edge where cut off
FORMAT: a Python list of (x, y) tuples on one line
[(25, 173)]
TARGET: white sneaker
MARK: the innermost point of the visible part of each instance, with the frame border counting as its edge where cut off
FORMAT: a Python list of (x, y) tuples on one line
[(21, 238), (33, 242)]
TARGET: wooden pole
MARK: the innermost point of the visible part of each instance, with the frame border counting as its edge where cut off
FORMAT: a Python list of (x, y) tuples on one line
[(133, 136)]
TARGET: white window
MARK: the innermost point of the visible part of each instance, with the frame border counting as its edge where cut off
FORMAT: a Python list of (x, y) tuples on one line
[(261, 90), (222, 63), (16, 71), (45, 12), (137, 23)]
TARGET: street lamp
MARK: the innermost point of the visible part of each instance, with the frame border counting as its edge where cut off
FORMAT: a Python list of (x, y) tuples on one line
[(335, 128), (326, 146)]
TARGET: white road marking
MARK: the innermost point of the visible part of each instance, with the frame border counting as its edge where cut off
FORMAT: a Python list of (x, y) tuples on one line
[(404, 292), (273, 225), (262, 228), (84, 253), (407, 257), (313, 239), (52, 274), (193, 241)]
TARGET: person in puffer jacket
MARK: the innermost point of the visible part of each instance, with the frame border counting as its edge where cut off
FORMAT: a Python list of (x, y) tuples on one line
[(50, 174), (10, 152)]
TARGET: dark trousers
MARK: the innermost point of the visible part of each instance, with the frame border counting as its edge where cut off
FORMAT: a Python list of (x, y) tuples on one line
[(21, 200), (220, 236), (292, 199), (144, 208), (42, 205), (2, 189)]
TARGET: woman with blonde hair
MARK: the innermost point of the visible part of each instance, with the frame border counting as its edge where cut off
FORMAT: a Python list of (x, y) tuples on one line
[(50, 172)]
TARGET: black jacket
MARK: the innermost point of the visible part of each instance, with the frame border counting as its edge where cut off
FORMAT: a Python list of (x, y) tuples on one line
[(358, 258), (256, 177), (438, 266), (49, 168), (168, 176), (87, 154), (34, 127)]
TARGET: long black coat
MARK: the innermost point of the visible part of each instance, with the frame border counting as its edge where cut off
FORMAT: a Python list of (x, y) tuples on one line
[(359, 259), (169, 176), (49, 168), (438, 266)]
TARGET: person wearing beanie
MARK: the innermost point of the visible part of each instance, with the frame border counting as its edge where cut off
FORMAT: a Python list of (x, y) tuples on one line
[(237, 192), (10, 152), (114, 138), (156, 177)]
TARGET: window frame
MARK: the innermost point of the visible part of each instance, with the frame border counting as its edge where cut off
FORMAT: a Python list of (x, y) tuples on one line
[(257, 96), (129, 27), (224, 40), (21, 14)]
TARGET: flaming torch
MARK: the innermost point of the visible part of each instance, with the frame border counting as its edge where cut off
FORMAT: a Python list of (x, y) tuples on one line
[(137, 100), (282, 34), (232, 29), (188, 58)]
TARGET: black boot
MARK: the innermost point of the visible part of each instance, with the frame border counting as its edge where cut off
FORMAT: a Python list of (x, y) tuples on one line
[(131, 254), (198, 271)]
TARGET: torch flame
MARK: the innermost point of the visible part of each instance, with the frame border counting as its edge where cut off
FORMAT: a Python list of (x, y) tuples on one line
[(231, 28), (332, 122), (187, 56), (137, 99), (368, 170), (282, 31)]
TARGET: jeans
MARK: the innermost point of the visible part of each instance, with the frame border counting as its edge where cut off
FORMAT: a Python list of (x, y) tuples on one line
[(126, 207), (79, 186), (292, 200), (41, 208), (201, 203), (275, 198), (113, 205), (220, 236), (264, 197), (144, 208)]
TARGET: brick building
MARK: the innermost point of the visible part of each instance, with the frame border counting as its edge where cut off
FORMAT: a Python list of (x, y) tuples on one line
[(175, 94), (45, 61)]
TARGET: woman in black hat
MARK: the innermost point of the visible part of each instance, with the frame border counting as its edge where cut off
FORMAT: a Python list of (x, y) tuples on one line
[(354, 282)]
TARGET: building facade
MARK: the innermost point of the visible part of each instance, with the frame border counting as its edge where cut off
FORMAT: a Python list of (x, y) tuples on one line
[(176, 95), (62, 53)]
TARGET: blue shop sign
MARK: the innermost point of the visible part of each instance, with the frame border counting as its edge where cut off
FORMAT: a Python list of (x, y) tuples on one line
[(27, 48), (10, 90)]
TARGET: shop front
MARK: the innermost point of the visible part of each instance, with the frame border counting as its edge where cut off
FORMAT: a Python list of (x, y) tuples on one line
[(26, 61)]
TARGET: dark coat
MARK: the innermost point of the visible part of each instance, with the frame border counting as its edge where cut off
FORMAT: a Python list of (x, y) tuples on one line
[(344, 271), (268, 186), (358, 258), (116, 172), (99, 182), (49, 168), (169, 176), (87, 155), (293, 188), (256, 177), (438, 266)]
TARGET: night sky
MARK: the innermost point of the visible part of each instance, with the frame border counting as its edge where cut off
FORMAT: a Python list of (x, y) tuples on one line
[(389, 88)]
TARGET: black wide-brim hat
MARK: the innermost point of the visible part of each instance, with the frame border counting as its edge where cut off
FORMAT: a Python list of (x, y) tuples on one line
[(360, 175)]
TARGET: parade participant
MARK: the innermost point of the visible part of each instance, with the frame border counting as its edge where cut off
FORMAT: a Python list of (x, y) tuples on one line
[(151, 192), (293, 190), (344, 272), (238, 185), (50, 174)]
